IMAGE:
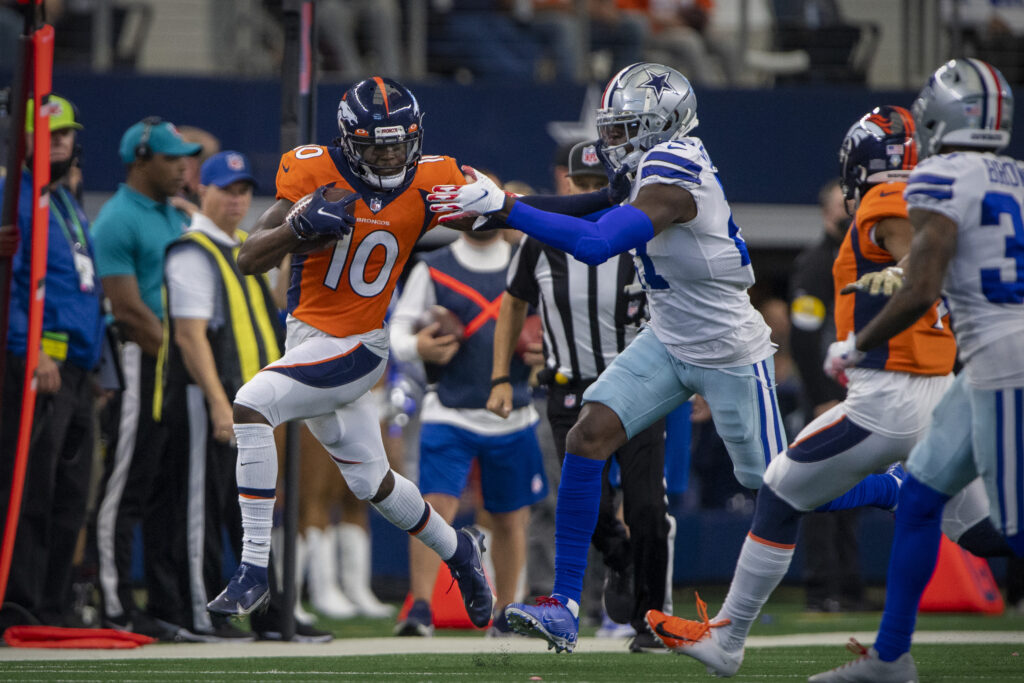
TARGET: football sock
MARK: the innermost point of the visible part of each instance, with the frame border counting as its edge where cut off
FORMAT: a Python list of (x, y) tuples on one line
[(579, 497), (256, 474), (915, 550), (405, 508), (984, 540), (877, 490), (758, 571)]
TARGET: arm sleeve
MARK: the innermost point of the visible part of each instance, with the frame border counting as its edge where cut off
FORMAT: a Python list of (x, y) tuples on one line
[(522, 277), (623, 228), (417, 296)]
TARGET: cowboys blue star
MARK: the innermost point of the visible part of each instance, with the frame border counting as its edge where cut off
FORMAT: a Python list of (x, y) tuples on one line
[(658, 83)]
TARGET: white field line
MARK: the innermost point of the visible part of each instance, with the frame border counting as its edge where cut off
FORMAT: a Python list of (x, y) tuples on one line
[(460, 645)]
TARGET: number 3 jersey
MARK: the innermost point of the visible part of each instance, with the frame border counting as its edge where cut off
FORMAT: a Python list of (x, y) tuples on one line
[(696, 274), (345, 289), (984, 195)]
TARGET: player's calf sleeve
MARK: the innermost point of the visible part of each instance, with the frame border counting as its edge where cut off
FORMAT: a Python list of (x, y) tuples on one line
[(579, 497), (875, 490), (915, 549), (775, 520), (984, 540), (759, 570), (405, 508), (256, 474)]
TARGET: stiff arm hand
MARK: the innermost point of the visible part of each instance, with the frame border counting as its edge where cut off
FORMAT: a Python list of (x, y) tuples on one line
[(884, 282), (480, 197)]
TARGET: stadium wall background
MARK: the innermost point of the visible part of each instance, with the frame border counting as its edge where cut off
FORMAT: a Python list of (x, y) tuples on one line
[(772, 146)]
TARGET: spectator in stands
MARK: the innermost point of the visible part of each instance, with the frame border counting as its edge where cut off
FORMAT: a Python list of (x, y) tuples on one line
[(992, 30), (56, 484), (468, 278), (832, 574), (679, 37), (480, 39), (133, 229), (613, 25), (338, 22), (600, 310)]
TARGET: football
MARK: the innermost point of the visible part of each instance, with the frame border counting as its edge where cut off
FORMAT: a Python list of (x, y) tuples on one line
[(332, 194), (448, 322), (532, 332)]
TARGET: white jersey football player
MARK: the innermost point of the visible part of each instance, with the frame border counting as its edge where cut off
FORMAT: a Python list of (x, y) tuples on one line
[(704, 337), (966, 205)]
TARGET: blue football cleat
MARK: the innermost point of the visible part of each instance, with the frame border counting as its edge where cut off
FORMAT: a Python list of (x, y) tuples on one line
[(549, 619), (476, 592), (247, 592)]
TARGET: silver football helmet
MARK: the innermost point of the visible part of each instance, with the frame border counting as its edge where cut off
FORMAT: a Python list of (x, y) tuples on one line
[(967, 103), (643, 105)]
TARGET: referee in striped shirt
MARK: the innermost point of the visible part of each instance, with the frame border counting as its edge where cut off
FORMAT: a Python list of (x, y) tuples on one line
[(589, 316)]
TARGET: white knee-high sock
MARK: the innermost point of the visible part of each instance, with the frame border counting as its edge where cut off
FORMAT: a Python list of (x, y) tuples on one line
[(758, 571), (256, 474), (405, 508)]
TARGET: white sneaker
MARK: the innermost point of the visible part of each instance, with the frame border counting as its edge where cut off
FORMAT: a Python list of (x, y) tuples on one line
[(324, 592), (868, 668), (697, 639), (354, 568)]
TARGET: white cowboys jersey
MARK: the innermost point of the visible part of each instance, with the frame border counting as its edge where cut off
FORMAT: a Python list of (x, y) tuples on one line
[(696, 274), (984, 195)]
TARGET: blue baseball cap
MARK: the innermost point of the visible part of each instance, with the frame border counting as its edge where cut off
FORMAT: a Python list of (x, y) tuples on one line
[(225, 168), (161, 137)]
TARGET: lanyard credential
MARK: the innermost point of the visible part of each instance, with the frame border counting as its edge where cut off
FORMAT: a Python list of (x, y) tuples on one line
[(76, 242)]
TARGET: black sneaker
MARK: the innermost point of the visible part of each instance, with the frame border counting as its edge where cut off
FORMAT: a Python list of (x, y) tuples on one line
[(304, 633), (618, 598), (644, 641), (418, 622)]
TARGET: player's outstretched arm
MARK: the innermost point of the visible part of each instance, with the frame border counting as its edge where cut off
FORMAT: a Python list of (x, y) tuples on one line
[(269, 241)]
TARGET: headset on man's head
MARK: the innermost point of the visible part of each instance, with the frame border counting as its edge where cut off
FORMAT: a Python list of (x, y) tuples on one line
[(142, 149)]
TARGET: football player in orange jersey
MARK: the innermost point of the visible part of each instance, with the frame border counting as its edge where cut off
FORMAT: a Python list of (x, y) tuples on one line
[(889, 401), (348, 256)]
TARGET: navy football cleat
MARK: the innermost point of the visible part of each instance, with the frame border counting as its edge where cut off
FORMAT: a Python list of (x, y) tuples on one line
[(476, 592), (549, 619), (247, 592)]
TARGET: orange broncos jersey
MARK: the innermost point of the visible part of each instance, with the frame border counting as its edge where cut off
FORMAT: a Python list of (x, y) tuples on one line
[(925, 348), (346, 289)]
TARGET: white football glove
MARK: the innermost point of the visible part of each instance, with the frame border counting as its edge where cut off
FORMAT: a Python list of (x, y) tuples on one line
[(480, 197), (884, 282), (842, 355)]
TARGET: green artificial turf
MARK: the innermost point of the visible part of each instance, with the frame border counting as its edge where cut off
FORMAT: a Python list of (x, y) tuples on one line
[(990, 663)]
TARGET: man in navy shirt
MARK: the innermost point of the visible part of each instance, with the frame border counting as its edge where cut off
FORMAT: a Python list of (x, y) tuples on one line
[(60, 459)]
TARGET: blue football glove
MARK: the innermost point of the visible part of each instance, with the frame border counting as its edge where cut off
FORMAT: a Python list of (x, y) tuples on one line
[(324, 218), (620, 185)]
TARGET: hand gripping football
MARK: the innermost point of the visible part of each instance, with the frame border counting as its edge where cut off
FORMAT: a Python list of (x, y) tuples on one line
[(331, 193), (448, 322)]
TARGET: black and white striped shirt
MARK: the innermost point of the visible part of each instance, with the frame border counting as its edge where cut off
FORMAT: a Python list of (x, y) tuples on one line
[(588, 317)]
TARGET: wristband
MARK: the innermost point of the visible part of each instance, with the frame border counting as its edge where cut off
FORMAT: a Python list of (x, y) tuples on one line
[(504, 379)]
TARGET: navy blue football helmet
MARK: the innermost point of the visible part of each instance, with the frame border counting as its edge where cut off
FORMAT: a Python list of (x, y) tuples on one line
[(381, 132), (879, 148)]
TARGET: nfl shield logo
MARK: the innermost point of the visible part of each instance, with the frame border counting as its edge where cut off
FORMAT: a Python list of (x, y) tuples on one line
[(570, 401), (375, 204)]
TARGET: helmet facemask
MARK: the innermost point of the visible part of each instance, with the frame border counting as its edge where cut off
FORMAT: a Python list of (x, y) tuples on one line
[(385, 161)]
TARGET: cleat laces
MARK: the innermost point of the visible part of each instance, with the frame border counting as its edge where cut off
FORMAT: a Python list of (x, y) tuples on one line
[(695, 630)]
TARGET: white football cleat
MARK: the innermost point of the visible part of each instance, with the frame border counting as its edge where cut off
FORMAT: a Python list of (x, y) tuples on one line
[(868, 668)]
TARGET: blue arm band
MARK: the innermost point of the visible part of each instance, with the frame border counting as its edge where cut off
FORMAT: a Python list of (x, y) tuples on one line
[(618, 230)]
